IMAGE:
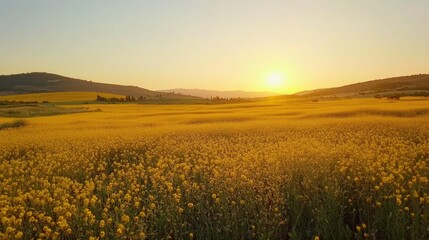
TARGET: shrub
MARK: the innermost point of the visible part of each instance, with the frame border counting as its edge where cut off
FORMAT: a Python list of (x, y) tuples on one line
[(14, 124)]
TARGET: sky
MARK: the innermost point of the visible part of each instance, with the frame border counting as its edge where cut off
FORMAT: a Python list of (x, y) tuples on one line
[(256, 45)]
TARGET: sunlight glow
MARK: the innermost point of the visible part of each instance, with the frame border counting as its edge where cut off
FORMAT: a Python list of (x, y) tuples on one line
[(275, 81)]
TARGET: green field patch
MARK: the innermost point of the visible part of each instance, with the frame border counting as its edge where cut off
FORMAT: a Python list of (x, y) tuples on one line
[(34, 110)]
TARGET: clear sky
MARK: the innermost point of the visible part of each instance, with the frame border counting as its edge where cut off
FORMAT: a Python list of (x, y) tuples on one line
[(218, 44)]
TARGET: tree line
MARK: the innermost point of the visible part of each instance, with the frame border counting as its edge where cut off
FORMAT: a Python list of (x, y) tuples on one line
[(116, 99), (397, 96)]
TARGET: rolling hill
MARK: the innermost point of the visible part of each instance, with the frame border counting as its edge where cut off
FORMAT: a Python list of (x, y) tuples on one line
[(45, 83), (39, 82), (403, 84), (222, 94)]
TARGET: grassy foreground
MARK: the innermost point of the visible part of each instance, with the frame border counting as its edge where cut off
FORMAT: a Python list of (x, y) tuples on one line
[(296, 169)]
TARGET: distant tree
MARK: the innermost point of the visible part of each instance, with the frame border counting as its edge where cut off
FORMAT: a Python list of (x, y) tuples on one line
[(130, 98), (394, 97), (378, 96), (101, 99), (116, 99)]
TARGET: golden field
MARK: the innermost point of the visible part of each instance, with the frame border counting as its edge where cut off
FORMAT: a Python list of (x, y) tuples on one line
[(279, 169)]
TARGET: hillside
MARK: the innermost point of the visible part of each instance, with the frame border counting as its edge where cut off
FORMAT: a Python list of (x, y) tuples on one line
[(222, 94), (47, 82), (404, 84)]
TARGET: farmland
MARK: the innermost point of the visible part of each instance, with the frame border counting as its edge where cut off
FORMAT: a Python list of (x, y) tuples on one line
[(275, 169), (55, 97)]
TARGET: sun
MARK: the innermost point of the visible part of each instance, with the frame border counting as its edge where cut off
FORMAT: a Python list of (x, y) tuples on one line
[(274, 81)]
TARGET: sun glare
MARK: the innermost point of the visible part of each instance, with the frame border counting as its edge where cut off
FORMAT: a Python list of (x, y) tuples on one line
[(274, 81)]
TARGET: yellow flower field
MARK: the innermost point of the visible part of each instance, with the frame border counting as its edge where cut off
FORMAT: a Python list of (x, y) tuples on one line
[(280, 169)]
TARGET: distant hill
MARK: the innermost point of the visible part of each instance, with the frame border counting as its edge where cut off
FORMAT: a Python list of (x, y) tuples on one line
[(47, 82), (222, 94), (404, 84)]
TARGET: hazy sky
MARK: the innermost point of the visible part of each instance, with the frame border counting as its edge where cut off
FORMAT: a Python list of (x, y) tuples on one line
[(218, 44)]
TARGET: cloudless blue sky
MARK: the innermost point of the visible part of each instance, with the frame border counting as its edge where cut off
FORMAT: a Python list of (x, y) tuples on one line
[(221, 44)]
